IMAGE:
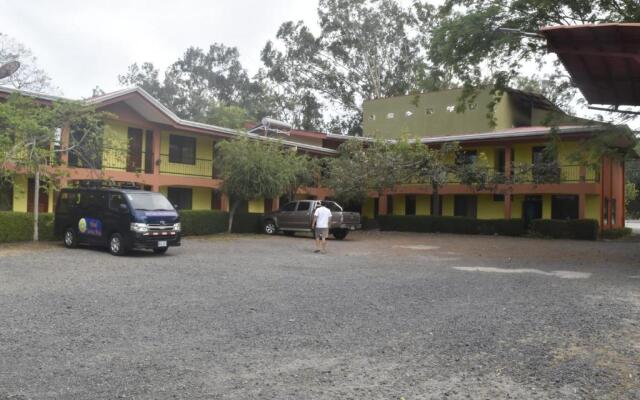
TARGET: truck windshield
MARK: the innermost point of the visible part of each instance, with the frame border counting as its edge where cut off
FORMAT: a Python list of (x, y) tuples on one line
[(149, 202)]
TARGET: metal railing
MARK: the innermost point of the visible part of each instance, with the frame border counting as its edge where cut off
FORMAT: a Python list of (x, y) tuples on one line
[(201, 167)]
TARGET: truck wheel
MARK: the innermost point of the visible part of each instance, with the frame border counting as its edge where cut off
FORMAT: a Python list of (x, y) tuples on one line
[(340, 233), (116, 245), (70, 238), (269, 227)]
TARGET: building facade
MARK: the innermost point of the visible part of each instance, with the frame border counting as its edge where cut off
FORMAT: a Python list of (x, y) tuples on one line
[(150, 146)]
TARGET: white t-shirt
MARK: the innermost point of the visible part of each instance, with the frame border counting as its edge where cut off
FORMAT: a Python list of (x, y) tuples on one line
[(322, 215)]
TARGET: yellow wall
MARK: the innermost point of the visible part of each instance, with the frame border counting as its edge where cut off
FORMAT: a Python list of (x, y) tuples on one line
[(546, 206), (516, 205), (368, 207), (398, 204), (488, 208), (256, 206), (201, 199), (447, 205), (116, 142), (423, 205), (592, 207), (20, 183), (204, 151)]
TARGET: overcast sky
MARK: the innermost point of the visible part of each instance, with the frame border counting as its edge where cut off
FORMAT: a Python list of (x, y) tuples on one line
[(84, 43)]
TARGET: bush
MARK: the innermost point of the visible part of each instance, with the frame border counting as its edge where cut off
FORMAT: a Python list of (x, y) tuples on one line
[(584, 229), (18, 227), (413, 223), (207, 222), (616, 233)]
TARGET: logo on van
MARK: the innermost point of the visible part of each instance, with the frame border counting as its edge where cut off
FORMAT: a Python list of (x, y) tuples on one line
[(82, 225)]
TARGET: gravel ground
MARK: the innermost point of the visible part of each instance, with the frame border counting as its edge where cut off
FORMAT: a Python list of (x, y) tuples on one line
[(382, 316)]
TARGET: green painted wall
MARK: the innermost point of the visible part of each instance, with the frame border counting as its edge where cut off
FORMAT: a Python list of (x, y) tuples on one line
[(592, 207), (447, 205), (201, 199)]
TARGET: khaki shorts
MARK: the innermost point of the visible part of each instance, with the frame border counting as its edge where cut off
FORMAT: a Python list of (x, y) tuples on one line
[(322, 233)]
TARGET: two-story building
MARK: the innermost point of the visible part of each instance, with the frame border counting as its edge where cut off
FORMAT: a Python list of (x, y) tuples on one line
[(512, 147), (148, 145)]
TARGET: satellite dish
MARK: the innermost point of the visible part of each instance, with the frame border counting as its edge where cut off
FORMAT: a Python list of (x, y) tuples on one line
[(9, 69)]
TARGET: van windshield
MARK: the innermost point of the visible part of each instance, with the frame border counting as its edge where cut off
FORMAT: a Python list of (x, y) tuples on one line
[(149, 202)]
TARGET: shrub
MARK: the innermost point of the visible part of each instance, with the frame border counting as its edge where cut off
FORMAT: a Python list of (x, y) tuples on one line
[(18, 227), (207, 222), (584, 229), (413, 223), (616, 233)]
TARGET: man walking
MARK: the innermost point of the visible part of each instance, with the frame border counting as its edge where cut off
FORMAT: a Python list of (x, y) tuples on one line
[(321, 218)]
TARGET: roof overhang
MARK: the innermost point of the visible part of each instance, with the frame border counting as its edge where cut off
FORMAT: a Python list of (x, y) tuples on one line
[(603, 60)]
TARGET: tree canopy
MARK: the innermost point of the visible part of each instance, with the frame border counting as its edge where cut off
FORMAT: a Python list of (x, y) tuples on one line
[(29, 76)]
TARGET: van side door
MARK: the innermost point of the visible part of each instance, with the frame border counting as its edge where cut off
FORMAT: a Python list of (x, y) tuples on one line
[(90, 213), (116, 214)]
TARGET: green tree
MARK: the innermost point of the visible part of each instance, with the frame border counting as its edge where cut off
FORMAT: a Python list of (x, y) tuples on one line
[(254, 168), (366, 49), (30, 139), (29, 76), (467, 45)]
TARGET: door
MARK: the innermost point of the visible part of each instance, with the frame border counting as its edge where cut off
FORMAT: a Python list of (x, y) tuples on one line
[(43, 199), (116, 215), (531, 209), (301, 218), (134, 153), (91, 215), (285, 215)]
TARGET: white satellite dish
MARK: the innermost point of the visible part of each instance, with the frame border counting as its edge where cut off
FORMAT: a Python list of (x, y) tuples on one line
[(9, 69)]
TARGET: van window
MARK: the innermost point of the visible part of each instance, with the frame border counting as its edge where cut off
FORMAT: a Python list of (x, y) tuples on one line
[(68, 200), (115, 200), (303, 206), (289, 206)]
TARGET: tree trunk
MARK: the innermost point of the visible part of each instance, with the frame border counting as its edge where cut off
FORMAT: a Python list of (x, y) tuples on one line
[(36, 205), (232, 212), (436, 201)]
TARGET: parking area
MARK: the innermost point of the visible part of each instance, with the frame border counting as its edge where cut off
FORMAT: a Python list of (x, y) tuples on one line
[(381, 316)]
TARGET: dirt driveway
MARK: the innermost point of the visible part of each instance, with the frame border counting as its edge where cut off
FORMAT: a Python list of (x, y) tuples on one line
[(381, 316)]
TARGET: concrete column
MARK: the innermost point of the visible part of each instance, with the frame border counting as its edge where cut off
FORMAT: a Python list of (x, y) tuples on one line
[(582, 201), (382, 205), (224, 202), (64, 144), (275, 204), (507, 206)]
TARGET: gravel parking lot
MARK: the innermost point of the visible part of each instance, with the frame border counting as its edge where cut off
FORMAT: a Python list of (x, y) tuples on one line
[(381, 316)]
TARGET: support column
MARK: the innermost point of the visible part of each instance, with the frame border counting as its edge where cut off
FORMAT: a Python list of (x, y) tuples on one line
[(224, 202), (382, 205), (275, 204), (155, 186), (64, 156), (507, 206), (582, 201)]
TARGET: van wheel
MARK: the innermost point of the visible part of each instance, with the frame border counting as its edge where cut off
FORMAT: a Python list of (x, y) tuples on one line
[(116, 245), (160, 250), (70, 238), (269, 227), (340, 233)]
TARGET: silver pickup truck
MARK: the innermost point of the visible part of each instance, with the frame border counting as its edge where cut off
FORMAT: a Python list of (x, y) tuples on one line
[(297, 216)]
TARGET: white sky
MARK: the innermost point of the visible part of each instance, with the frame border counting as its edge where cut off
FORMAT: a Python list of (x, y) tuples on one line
[(84, 43)]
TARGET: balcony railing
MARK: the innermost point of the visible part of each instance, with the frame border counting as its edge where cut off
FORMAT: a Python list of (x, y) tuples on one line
[(202, 167), (525, 174)]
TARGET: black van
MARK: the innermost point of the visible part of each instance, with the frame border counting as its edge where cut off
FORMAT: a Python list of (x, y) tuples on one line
[(121, 219)]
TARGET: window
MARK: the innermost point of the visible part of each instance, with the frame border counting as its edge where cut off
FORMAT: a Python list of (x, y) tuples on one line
[(216, 200), (289, 206), (115, 201), (410, 204), (564, 207), (537, 155), (182, 197), (67, 201), (613, 211), (498, 197), (6, 196), (466, 157), (500, 160), (465, 206), (332, 206), (389, 204), (303, 206), (182, 149), (391, 116)]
